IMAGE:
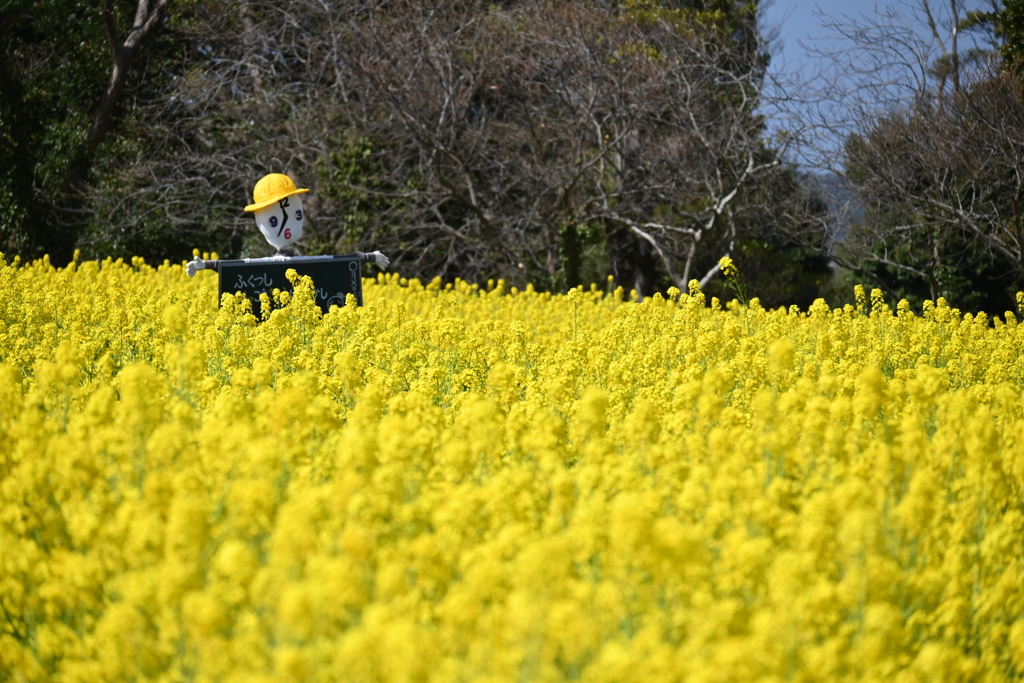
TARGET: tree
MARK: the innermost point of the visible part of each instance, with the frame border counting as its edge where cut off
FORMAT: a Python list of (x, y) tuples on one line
[(46, 87), (932, 150), (148, 15), (55, 111), (533, 142), (1007, 24), (624, 123), (942, 184)]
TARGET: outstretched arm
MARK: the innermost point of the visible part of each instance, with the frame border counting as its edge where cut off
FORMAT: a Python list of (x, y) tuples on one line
[(198, 264), (378, 258), (195, 264)]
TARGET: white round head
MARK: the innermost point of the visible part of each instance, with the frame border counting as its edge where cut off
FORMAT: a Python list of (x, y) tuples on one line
[(281, 222)]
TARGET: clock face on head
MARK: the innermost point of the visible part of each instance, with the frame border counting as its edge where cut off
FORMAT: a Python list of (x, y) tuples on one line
[(281, 222)]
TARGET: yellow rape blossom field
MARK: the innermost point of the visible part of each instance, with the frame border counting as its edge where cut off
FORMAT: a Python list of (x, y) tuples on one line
[(461, 483)]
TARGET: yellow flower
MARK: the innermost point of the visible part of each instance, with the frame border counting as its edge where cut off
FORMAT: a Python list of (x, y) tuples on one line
[(727, 266), (467, 483)]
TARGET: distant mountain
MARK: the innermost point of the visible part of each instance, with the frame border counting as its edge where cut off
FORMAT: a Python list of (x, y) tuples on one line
[(843, 203)]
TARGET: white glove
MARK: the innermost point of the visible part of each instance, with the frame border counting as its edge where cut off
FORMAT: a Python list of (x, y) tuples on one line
[(195, 264), (381, 259)]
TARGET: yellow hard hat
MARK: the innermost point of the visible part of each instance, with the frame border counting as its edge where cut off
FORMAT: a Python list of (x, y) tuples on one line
[(272, 188)]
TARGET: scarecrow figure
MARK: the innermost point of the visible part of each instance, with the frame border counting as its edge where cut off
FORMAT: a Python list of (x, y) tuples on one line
[(279, 216)]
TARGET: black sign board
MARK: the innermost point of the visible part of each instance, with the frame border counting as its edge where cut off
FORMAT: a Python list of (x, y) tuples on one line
[(334, 277)]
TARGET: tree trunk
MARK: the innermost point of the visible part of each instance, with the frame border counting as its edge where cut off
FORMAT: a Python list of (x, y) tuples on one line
[(146, 18), (621, 244), (111, 96), (571, 255), (646, 274)]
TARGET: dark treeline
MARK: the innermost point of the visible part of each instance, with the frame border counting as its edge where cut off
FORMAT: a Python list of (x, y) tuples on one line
[(552, 143)]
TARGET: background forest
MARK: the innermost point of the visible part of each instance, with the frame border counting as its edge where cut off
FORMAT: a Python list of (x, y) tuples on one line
[(551, 143)]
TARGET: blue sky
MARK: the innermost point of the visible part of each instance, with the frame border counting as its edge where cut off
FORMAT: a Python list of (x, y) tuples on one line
[(799, 26), (799, 20)]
